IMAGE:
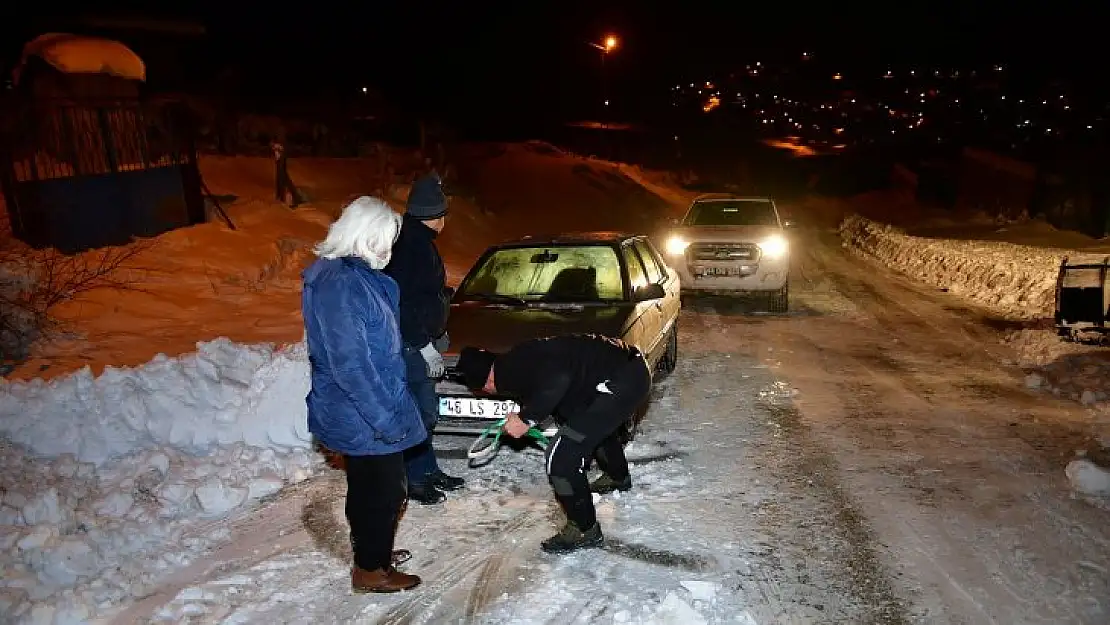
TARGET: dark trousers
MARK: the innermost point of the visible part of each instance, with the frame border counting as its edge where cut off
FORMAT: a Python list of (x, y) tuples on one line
[(376, 494), (595, 431), (421, 459)]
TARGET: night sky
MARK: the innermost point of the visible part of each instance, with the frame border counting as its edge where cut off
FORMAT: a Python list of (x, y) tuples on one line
[(504, 56)]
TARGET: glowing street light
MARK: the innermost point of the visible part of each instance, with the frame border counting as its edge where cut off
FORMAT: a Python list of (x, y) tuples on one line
[(609, 44)]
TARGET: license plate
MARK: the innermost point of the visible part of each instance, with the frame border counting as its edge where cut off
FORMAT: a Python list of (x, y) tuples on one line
[(719, 271), (476, 408)]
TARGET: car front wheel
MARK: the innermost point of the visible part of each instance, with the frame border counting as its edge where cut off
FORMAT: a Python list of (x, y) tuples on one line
[(669, 362)]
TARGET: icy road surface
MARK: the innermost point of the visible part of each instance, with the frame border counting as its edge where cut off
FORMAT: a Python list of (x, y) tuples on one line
[(868, 458)]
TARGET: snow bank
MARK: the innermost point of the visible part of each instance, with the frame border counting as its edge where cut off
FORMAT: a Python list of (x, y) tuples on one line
[(224, 393), (1015, 281), (104, 476), (77, 539)]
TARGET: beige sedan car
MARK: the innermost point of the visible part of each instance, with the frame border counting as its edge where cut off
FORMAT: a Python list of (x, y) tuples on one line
[(613, 284)]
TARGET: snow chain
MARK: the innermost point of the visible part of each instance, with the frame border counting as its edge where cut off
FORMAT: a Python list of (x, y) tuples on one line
[(485, 447)]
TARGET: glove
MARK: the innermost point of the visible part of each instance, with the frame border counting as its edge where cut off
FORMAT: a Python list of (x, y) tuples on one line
[(442, 343), (434, 361)]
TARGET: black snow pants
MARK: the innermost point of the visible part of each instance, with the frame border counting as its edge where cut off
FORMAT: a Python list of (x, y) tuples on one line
[(595, 431), (377, 488)]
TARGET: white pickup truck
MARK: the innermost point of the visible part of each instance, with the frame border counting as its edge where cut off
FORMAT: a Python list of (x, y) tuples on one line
[(732, 244)]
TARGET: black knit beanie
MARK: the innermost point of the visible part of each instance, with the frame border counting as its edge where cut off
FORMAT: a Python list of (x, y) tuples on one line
[(426, 199)]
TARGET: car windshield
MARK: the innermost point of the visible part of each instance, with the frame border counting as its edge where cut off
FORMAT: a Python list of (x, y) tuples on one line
[(565, 274), (732, 213)]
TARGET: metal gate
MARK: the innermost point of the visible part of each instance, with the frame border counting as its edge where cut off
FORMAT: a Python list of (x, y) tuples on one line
[(78, 175)]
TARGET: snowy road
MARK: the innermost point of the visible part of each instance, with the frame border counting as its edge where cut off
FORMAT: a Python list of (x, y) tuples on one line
[(867, 458)]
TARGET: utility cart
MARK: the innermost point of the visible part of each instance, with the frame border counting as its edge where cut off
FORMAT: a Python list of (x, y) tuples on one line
[(1082, 298)]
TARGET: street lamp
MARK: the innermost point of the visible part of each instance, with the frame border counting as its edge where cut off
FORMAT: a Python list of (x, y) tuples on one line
[(607, 45)]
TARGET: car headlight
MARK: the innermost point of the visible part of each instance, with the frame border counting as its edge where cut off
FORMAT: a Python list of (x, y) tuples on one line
[(774, 247), (676, 246)]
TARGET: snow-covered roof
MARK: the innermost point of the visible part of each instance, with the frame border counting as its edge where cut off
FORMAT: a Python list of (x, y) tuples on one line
[(80, 54)]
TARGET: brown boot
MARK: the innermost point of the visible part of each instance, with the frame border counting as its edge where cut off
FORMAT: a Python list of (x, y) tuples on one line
[(388, 579)]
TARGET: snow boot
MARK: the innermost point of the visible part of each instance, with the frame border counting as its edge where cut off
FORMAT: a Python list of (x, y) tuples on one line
[(571, 538), (426, 494), (442, 481), (387, 579), (606, 484)]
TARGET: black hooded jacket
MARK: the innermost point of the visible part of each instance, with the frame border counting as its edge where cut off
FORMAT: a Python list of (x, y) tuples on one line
[(558, 376), (418, 269)]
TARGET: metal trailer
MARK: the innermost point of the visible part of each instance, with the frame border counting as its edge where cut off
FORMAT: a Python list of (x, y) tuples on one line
[(1082, 298)]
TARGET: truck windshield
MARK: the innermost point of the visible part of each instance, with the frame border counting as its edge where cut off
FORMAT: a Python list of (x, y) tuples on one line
[(732, 213)]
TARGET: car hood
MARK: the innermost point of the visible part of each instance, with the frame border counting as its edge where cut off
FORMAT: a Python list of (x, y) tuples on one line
[(500, 328), (725, 233)]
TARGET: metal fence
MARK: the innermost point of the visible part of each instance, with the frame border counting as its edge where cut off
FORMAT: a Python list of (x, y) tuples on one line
[(84, 174)]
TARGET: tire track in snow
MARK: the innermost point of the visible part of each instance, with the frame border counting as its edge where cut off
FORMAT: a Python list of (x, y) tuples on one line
[(809, 498), (950, 475), (430, 595)]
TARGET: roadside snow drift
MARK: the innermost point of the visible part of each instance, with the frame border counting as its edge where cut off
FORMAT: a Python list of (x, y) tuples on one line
[(223, 394), (1014, 281), (101, 472)]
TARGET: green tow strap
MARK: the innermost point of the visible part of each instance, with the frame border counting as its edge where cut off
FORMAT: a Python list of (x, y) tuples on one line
[(482, 450)]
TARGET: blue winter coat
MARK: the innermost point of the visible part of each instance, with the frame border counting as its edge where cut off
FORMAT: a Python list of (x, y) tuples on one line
[(359, 404)]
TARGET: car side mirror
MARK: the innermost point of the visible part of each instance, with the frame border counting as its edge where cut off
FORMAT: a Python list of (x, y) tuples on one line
[(649, 292)]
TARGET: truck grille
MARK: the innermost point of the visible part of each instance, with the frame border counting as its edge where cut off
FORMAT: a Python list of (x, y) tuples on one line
[(722, 251)]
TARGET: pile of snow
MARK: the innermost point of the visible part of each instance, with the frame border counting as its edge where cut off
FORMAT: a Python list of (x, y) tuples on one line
[(79, 54), (223, 394), (1015, 281), (1088, 478), (102, 476), (1080, 373)]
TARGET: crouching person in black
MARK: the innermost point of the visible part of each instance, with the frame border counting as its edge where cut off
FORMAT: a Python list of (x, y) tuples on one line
[(592, 385)]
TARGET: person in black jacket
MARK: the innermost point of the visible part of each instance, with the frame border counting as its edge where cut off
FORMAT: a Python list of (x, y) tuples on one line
[(592, 385), (418, 269)]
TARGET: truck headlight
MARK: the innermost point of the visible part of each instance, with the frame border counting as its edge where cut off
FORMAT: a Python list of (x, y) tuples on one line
[(676, 246), (774, 247)]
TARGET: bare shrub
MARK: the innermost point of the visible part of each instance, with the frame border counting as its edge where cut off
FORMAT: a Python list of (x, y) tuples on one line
[(34, 282)]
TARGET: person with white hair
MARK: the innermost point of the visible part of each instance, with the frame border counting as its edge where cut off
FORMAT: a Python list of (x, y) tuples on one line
[(359, 404)]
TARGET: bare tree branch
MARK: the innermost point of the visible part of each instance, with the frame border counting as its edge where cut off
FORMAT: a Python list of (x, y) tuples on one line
[(34, 282)]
